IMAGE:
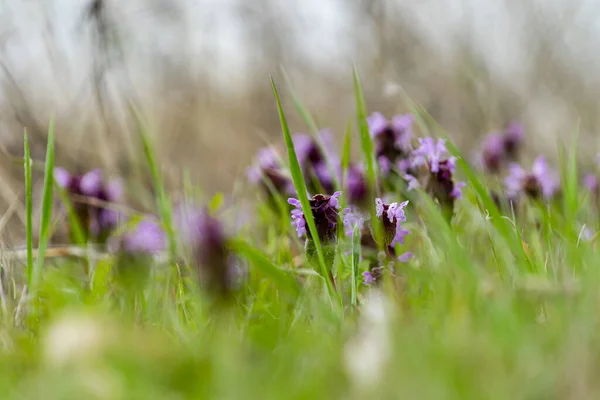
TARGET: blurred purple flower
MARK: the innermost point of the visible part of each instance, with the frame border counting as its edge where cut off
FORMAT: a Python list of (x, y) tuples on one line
[(356, 186), (499, 148), (205, 236), (368, 278), (268, 173), (513, 136), (405, 257), (147, 237), (97, 221), (392, 138), (320, 165), (392, 215), (540, 181), (439, 180), (352, 219), (590, 181), (325, 214)]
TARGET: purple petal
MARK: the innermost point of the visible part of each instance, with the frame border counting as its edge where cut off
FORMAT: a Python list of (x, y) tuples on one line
[(590, 181), (146, 237), (62, 177), (456, 191), (295, 202), (405, 257), (91, 182), (368, 278), (334, 201), (377, 123), (114, 190), (379, 207)]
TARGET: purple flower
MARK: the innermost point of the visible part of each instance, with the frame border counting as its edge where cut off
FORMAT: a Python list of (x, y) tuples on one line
[(324, 212), (205, 237), (392, 138), (147, 237), (356, 186), (352, 219), (540, 181), (98, 221), (368, 278), (439, 181), (268, 173), (513, 136), (499, 148), (392, 215), (405, 257), (320, 166), (590, 181), (493, 153)]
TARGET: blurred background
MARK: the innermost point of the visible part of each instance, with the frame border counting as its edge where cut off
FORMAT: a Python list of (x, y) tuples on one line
[(199, 71)]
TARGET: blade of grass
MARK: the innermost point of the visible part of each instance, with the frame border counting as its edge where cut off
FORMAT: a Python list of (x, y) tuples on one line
[(283, 279), (300, 185), (28, 210), (368, 152), (164, 204), (46, 217), (355, 262), (313, 128)]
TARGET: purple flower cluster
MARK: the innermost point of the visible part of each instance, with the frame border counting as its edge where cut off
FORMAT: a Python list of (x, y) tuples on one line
[(269, 174), (392, 141), (146, 237), (205, 237), (392, 215), (97, 220), (440, 168), (320, 165), (325, 212), (502, 147), (541, 181)]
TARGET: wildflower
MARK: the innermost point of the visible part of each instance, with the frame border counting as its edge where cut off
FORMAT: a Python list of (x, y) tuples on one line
[(357, 190), (540, 181), (368, 278), (147, 237), (392, 138), (205, 237), (352, 219), (269, 173), (320, 165), (392, 215), (590, 181), (439, 179), (500, 147), (325, 214), (97, 220), (513, 136)]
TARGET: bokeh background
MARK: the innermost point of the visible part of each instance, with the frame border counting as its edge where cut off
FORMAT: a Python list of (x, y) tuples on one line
[(199, 71)]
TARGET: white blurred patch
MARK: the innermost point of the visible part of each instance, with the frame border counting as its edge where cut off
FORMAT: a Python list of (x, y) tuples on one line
[(74, 338), (367, 354)]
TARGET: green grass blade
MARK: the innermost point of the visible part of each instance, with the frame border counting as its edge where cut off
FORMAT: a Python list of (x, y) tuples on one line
[(44, 237), (313, 128), (570, 182), (300, 185), (355, 263), (284, 280), (368, 153), (74, 222), (164, 204), (28, 210)]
